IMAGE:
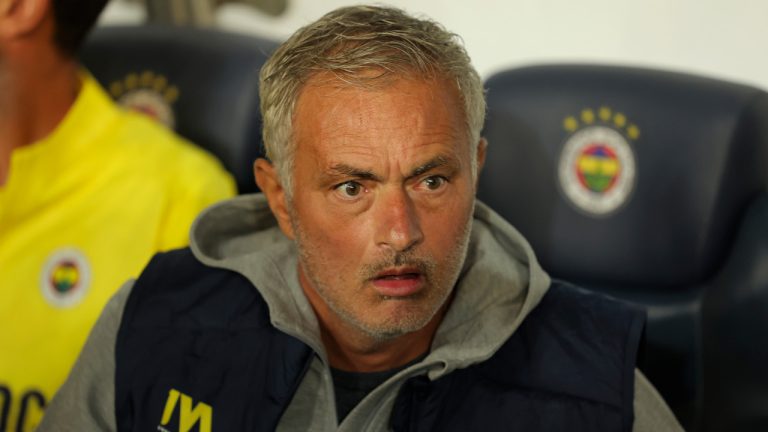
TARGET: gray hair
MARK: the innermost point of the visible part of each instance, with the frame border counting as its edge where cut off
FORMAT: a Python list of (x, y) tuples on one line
[(349, 42)]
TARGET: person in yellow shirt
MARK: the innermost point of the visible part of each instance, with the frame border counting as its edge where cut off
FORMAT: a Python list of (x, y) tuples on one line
[(88, 192)]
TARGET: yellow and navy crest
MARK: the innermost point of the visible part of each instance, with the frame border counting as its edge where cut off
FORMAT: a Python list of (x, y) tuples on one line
[(597, 166), (148, 93), (65, 278)]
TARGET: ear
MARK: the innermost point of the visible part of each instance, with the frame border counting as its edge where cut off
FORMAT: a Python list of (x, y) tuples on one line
[(20, 17), (481, 147), (269, 183)]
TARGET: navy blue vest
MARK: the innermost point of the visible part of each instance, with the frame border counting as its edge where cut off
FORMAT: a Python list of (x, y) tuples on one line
[(196, 349)]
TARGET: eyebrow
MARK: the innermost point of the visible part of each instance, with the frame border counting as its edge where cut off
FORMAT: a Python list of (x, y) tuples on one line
[(430, 165), (350, 171)]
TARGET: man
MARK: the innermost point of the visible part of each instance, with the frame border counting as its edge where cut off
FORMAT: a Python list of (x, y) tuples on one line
[(366, 290), (87, 194)]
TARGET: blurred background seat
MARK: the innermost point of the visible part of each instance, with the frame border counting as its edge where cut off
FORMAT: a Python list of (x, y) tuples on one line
[(649, 186), (201, 82)]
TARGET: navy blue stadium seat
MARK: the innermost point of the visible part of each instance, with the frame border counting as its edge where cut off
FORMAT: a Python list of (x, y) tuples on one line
[(649, 186), (201, 82)]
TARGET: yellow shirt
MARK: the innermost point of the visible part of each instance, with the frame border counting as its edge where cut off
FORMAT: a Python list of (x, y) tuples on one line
[(82, 211)]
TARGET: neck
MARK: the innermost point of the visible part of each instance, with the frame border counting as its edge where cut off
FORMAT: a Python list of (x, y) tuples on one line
[(33, 101)]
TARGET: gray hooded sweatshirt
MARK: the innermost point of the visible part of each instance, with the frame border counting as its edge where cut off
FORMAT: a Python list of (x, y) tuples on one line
[(500, 284)]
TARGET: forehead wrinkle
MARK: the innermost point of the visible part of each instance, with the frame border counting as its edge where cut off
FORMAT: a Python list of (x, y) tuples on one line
[(368, 116), (342, 136)]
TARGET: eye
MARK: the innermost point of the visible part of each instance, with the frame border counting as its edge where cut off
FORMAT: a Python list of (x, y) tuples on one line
[(434, 183), (350, 189)]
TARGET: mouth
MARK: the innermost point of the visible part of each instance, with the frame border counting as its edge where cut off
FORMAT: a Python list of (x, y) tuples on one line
[(398, 282)]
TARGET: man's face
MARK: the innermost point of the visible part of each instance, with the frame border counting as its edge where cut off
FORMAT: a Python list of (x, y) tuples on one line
[(382, 202)]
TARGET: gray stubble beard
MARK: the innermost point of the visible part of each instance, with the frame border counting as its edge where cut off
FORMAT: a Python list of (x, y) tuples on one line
[(436, 296)]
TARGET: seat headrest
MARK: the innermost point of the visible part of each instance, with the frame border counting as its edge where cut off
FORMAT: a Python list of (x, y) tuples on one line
[(624, 175), (202, 82)]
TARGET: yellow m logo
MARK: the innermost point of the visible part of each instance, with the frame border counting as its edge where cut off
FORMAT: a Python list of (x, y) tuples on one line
[(188, 416)]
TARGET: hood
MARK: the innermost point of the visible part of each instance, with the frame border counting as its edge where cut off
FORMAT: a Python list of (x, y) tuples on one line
[(500, 284)]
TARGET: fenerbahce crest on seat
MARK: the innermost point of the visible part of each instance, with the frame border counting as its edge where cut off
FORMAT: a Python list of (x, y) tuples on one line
[(149, 93), (596, 171)]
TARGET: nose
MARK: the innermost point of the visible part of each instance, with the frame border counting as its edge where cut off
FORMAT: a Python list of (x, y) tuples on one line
[(397, 225)]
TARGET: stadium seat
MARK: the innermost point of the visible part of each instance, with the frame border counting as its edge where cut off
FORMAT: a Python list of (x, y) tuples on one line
[(649, 186), (201, 82)]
